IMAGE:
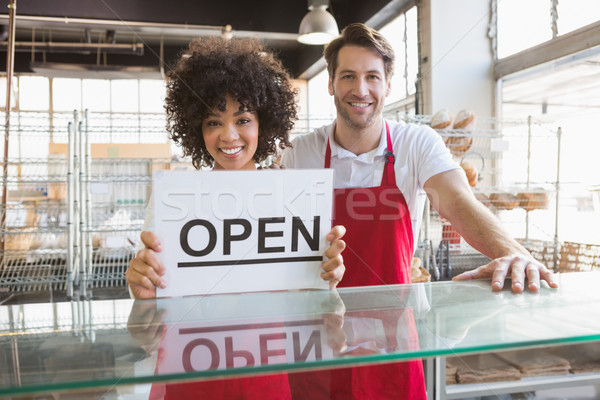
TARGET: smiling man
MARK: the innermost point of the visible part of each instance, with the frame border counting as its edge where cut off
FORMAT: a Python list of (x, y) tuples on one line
[(383, 171)]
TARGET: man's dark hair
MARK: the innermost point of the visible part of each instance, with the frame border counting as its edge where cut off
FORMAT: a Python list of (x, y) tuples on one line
[(358, 34)]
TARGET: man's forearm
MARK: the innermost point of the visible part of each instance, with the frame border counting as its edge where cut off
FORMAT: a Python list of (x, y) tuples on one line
[(480, 228)]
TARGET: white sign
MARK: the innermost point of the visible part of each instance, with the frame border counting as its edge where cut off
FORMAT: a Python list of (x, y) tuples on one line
[(242, 231)]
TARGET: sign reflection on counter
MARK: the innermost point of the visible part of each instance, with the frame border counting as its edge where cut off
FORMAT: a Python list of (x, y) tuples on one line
[(242, 231), (191, 347)]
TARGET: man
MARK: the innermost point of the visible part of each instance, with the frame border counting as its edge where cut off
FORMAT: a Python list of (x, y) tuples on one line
[(382, 172)]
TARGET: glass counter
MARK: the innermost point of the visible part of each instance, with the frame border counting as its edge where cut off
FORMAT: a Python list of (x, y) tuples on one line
[(57, 347)]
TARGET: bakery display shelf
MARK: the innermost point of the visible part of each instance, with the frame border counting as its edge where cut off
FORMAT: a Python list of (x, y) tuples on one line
[(119, 179), (131, 228), (114, 277), (36, 255), (27, 272), (107, 268), (461, 391), (86, 185)]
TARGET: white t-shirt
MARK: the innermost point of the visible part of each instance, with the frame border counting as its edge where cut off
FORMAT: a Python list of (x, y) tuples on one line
[(419, 151)]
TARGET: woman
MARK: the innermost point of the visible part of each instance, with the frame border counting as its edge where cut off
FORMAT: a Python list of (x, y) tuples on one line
[(230, 104)]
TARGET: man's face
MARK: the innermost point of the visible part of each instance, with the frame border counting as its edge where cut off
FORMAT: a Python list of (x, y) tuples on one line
[(359, 86)]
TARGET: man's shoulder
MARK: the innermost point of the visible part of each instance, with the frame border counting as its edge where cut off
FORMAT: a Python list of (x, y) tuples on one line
[(411, 132), (312, 142), (307, 149)]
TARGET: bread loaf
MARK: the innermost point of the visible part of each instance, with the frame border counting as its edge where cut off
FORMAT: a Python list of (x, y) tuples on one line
[(483, 198), (504, 201), (465, 119), (532, 200), (460, 141), (415, 270), (471, 172), (441, 120)]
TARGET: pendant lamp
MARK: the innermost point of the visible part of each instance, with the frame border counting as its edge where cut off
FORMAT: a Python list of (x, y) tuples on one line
[(318, 26)]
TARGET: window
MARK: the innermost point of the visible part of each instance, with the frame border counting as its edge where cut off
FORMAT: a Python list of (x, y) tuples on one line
[(402, 35), (66, 94), (124, 95), (321, 109), (573, 15), (523, 24), (96, 95), (34, 93), (152, 95)]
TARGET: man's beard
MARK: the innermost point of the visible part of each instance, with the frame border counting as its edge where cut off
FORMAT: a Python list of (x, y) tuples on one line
[(345, 115)]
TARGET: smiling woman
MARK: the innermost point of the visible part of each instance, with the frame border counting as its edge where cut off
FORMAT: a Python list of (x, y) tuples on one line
[(231, 135), (224, 92)]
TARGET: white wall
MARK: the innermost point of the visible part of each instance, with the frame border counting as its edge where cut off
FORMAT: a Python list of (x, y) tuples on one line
[(460, 57)]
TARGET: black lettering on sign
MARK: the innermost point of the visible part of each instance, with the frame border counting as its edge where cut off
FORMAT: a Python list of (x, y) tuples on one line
[(185, 231), (228, 237), (263, 235), (298, 226), (310, 235)]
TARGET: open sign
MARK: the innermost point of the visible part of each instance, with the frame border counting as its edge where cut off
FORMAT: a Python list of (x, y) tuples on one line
[(239, 231)]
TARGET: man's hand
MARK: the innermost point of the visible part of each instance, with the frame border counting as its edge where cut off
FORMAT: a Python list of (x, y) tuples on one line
[(451, 195), (145, 270), (333, 268), (519, 267)]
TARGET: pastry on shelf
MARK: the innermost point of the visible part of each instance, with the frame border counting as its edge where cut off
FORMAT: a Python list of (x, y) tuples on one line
[(417, 272), (504, 201), (471, 172), (483, 198), (480, 368), (533, 200), (441, 120), (536, 362), (460, 140)]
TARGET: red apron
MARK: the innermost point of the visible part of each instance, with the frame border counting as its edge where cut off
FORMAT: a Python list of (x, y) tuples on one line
[(274, 387), (379, 251)]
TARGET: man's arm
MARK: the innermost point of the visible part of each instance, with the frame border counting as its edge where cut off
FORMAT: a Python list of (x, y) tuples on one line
[(451, 196)]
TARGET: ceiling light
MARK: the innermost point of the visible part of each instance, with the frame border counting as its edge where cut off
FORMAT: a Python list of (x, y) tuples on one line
[(318, 26), (226, 32)]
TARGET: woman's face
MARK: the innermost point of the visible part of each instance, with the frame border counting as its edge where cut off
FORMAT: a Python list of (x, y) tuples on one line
[(231, 136)]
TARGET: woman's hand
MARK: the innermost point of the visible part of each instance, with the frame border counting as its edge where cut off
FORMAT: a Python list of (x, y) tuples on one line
[(145, 270), (146, 324), (333, 268)]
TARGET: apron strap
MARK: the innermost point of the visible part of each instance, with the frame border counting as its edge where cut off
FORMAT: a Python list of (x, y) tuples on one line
[(389, 175), (328, 155)]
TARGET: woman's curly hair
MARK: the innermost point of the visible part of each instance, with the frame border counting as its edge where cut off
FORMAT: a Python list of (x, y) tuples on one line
[(213, 67)]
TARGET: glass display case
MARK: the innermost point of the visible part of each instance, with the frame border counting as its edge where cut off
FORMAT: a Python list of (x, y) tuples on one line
[(125, 345)]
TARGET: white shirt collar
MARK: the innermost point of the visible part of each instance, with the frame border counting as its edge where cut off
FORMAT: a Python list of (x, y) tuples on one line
[(367, 158)]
